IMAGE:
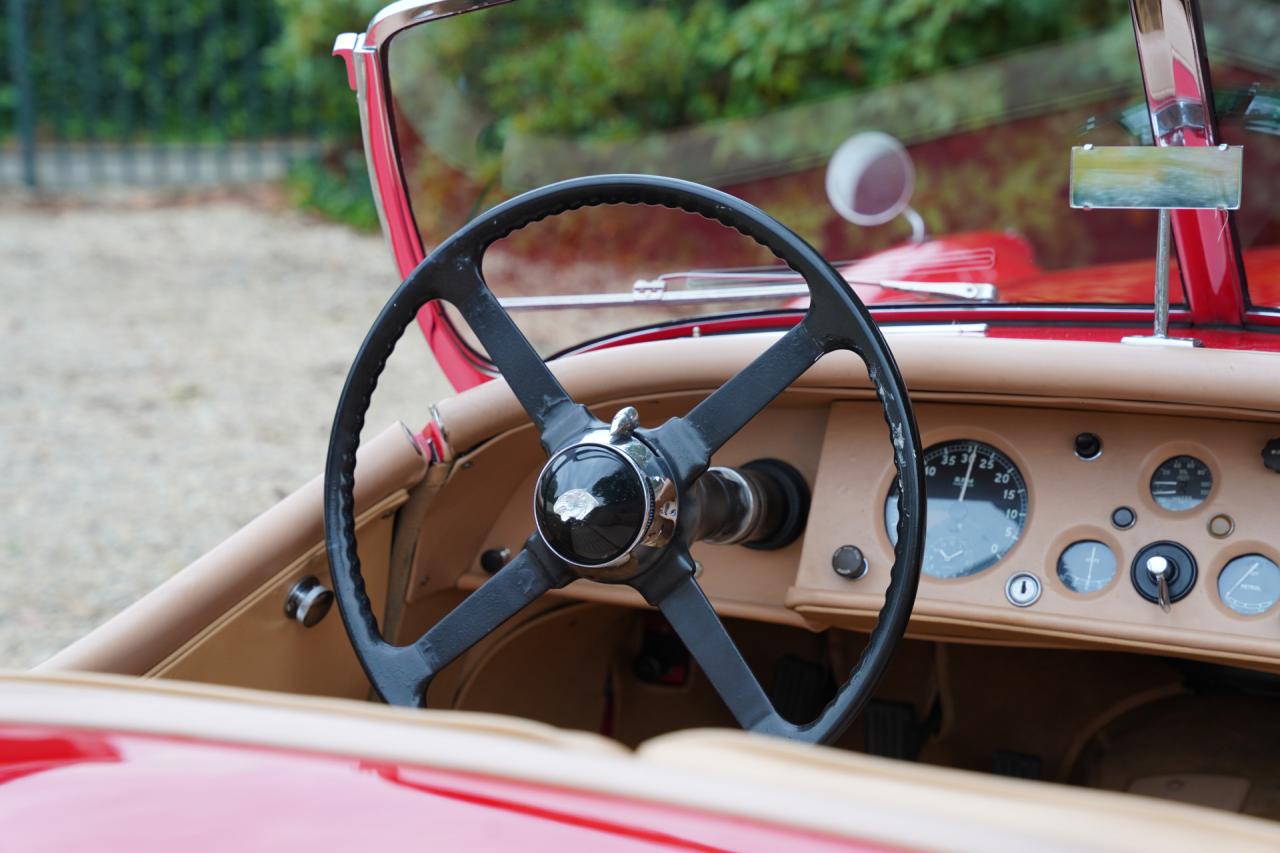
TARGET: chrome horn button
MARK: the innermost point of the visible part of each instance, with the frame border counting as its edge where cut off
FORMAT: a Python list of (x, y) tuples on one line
[(601, 499), (592, 505)]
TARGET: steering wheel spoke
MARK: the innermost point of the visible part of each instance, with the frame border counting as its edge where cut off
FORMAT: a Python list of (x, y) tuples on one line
[(689, 442), (558, 419), (530, 574), (671, 587)]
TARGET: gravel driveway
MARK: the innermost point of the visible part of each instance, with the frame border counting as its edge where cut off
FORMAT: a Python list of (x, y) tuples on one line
[(169, 371)]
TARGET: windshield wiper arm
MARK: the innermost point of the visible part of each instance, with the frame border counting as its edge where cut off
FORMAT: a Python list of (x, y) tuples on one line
[(965, 291), (706, 286)]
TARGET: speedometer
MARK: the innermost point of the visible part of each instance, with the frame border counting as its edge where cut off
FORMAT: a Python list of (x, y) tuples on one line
[(977, 507)]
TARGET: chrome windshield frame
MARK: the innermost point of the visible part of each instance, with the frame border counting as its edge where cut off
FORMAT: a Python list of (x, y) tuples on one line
[(366, 57), (1169, 35)]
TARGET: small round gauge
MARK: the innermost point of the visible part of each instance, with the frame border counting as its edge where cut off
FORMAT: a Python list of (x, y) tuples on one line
[(1086, 566), (977, 506), (1250, 584), (1181, 483)]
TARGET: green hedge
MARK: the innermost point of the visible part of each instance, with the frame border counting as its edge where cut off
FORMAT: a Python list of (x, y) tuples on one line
[(615, 68), (190, 70)]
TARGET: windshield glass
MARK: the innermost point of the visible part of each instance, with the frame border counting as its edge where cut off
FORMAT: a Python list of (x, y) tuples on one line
[(755, 97), (1244, 62)]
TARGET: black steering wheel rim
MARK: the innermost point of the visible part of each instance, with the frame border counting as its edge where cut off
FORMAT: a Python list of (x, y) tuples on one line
[(836, 320)]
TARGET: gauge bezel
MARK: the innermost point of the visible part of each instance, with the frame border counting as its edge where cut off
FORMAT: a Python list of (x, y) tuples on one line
[(1161, 454), (1093, 593), (1225, 555), (953, 433), (1076, 533)]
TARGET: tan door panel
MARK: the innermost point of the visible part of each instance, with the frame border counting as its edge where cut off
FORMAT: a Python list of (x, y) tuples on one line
[(256, 645)]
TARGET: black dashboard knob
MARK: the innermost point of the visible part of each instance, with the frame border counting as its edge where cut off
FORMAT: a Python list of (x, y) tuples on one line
[(1088, 446), (1271, 454)]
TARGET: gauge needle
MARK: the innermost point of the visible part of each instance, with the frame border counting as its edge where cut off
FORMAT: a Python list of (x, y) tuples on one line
[(1093, 559), (964, 487), (1243, 578), (949, 557)]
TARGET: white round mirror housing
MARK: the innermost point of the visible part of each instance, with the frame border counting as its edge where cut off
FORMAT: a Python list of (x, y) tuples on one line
[(870, 178)]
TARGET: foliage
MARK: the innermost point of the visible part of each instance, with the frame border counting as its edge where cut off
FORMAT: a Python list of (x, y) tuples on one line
[(335, 187), (302, 54), (611, 68), (190, 70)]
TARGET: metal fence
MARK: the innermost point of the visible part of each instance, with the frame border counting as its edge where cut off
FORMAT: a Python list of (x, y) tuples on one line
[(147, 92)]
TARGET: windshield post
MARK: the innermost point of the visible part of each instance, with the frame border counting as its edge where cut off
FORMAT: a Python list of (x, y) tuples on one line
[(1175, 77)]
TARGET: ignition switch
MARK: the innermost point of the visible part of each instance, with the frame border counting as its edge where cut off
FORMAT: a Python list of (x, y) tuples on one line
[(1163, 572)]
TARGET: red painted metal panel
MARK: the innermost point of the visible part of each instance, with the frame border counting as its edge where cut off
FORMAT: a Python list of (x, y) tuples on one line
[(79, 790), (1207, 257)]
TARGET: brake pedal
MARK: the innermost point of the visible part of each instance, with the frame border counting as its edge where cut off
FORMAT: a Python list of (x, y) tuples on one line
[(800, 689), (892, 730)]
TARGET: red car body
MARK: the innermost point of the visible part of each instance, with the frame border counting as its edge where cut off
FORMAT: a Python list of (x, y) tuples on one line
[(145, 793)]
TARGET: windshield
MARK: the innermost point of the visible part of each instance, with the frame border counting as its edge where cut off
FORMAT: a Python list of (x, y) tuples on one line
[(755, 97)]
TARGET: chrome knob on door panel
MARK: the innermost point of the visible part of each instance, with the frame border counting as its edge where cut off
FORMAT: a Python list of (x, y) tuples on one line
[(308, 602)]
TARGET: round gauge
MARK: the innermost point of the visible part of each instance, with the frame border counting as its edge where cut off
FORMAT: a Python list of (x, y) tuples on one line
[(1250, 585), (1086, 566), (977, 506), (1181, 483)]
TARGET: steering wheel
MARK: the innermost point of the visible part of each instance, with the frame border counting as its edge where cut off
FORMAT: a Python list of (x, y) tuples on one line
[(607, 505)]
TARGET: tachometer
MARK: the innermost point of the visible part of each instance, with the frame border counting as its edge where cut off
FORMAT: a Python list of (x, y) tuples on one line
[(977, 506)]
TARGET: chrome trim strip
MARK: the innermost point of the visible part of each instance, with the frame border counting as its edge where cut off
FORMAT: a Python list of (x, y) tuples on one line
[(737, 289)]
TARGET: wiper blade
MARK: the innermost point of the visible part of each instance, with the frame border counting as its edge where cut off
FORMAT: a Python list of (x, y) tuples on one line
[(706, 286)]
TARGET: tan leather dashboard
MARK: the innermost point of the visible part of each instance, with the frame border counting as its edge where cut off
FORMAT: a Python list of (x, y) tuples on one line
[(1070, 500), (1028, 399)]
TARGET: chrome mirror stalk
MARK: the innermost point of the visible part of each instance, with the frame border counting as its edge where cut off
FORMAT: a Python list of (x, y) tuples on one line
[(1160, 335)]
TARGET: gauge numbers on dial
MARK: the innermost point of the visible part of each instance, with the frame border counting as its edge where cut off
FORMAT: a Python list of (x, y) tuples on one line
[(1181, 483), (977, 506)]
